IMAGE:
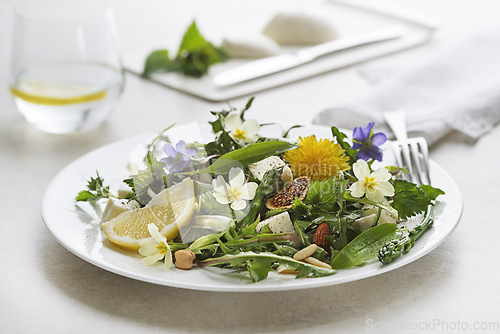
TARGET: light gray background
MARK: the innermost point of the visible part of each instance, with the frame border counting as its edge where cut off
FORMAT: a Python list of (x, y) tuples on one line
[(46, 289)]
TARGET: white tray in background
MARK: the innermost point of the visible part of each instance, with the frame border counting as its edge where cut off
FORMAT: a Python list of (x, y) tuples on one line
[(350, 17)]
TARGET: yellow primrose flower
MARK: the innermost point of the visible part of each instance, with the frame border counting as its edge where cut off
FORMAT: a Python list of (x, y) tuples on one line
[(245, 131), (375, 185), (317, 159), (156, 248)]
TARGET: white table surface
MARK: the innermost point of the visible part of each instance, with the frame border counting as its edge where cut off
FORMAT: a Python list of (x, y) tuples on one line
[(46, 289)]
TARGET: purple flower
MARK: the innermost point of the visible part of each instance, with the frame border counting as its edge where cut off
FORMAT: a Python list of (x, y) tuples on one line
[(368, 143), (177, 158)]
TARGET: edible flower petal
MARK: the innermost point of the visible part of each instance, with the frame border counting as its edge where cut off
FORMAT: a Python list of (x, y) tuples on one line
[(156, 248), (177, 158), (237, 192), (375, 184), (321, 159), (245, 131), (368, 143)]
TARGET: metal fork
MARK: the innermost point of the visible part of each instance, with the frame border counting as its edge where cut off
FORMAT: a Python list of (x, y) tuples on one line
[(410, 153)]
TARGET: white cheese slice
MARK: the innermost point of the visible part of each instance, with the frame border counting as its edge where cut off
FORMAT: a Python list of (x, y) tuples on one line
[(385, 216), (280, 223), (364, 223), (258, 169), (123, 191)]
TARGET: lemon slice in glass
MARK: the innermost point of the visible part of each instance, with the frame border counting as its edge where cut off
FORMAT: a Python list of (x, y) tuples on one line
[(171, 208), (56, 94)]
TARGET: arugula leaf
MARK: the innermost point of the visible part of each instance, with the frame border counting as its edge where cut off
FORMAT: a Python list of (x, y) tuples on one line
[(409, 199), (159, 61), (260, 264), (431, 192), (365, 246), (344, 143)]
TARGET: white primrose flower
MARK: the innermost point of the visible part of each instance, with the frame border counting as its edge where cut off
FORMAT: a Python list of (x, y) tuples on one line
[(237, 192), (245, 131), (156, 248), (375, 185)]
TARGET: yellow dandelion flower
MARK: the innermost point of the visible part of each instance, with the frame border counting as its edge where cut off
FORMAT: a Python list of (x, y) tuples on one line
[(317, 159)]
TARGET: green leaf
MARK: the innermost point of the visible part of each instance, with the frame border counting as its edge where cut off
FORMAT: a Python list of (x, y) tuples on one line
[(96, 190), (85, 195), (260, 264), (301, 210), (365, 246), (431, 192), (264, 189), (196, 54), (245, 156), (287, 238), (300, 228), (344, 143), (158, 61), (194, 57), (248, 105), (274, 212), (285, 134), (153, 178), (322, 195), (409, 199)]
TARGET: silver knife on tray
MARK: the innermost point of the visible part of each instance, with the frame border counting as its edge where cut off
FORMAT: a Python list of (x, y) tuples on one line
[(270, 65)]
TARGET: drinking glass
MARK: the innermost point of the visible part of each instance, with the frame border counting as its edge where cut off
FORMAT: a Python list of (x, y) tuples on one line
[(66, 71)]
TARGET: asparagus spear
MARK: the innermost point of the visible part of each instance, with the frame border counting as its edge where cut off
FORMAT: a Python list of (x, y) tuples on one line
[(398, 247), (265, 188)]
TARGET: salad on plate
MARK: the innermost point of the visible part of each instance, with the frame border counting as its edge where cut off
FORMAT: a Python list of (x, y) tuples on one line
[(256, 204)]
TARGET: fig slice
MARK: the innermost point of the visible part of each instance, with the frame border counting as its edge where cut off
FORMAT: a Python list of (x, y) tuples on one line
[(284, 199)]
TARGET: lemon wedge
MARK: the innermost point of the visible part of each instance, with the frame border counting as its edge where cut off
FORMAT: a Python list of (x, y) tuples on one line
[(169, 210)]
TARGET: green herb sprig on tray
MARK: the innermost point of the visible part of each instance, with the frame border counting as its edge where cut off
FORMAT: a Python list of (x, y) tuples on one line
[(194, 57)]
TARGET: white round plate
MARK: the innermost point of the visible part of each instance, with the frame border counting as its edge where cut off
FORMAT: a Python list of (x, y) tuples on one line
[(77, 226)]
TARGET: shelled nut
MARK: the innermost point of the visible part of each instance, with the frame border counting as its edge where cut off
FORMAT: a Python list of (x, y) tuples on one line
[(184, 259), (305, 252)]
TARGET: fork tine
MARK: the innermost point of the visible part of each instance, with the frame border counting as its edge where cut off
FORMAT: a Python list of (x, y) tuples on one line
[(425, 154), (416, 161), (407, 161), (396, 150)]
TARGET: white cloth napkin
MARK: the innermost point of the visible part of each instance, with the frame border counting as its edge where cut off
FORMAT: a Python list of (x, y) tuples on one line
[(457, 89)]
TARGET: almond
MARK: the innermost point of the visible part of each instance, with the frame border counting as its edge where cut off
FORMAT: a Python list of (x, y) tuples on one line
[(320, 239)]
